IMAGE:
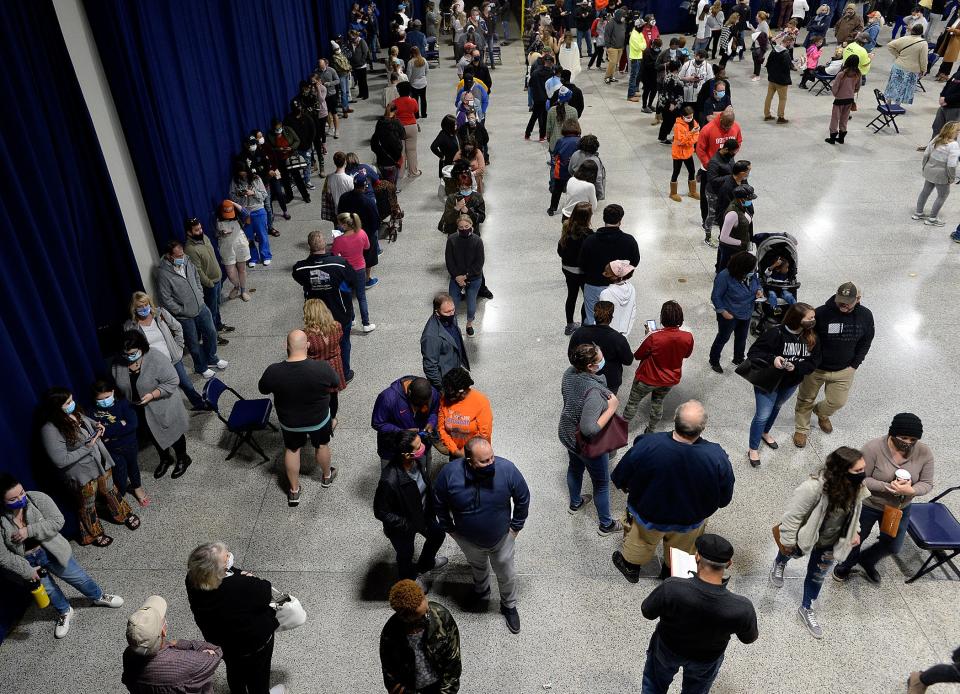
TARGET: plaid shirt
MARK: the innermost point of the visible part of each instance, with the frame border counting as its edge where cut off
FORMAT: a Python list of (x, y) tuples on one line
[(181, 667)]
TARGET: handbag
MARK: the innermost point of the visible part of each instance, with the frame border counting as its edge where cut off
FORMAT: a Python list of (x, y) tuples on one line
[(776, 538), (296, 162), (290, 612), (764, 376), (890, 522), (610, 438)]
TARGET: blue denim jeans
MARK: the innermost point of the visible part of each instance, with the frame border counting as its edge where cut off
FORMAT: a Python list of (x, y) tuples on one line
[(584, 35), (662, 666), (882, 547), (599, 471), (359, 286), (345, 345), (200, 326), (737, 327), (211, 297), (72, 573), (489, 49), (308, 155), (821, 559), (345, 92), (591, 295), (785, 294), (258, 235), (634, 85), (765, 416), (186, 385), (473, 286)]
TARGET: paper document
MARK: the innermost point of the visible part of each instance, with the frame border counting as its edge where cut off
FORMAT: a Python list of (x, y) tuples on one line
[(682, 565)]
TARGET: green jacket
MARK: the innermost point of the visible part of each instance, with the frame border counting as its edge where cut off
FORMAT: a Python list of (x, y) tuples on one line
[(204, 258), (638, 44), (442, 645)]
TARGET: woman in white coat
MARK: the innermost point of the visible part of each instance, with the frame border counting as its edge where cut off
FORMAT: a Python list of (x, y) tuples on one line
[(822, 521), (568, 55)]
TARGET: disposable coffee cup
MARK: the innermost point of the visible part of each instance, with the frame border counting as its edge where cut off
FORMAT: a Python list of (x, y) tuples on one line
[(903, 475)]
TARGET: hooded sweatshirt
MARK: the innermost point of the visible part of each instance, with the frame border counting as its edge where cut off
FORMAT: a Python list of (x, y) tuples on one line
[(845, 337), (623, 296), (459, 422)]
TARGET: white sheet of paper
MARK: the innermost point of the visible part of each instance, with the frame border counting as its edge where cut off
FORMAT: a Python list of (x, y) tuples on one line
[(682, 565)]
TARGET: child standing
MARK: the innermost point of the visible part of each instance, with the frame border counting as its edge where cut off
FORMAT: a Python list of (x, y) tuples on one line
[(622, 294), (119, 421), (685, 133)]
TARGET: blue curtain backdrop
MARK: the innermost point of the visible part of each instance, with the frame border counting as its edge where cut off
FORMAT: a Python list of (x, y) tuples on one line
[(67, 270)]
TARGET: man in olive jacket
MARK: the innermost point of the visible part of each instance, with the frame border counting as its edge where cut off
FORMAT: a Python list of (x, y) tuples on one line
[(200, 251)]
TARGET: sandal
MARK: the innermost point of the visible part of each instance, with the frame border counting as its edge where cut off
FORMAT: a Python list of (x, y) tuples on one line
[(102, 541), (144, 500), (132, 521)]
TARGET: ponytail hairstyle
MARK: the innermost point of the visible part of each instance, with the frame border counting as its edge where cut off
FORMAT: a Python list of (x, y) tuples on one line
[(349, 220)]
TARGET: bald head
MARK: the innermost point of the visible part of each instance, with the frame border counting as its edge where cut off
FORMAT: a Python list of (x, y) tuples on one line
[(297, 344), (689, 420), (726, 117)]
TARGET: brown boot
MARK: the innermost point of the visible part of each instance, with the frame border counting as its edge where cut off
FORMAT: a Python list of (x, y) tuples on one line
[(673, 192), (914, 685), (799, 440), (692, 190), (825, 425)]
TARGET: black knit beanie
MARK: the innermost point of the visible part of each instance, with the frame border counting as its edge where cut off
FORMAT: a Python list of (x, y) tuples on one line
[(906, 424)]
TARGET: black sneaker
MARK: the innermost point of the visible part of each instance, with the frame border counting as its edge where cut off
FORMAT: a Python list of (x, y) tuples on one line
[(162, 468), (226, 329), (328, 481), (181, 467), (584, 499), (485, 293), (293, 497), (512, 617), (716, 367), (871, 574), (840, 576), (630, 573), (221, 341)]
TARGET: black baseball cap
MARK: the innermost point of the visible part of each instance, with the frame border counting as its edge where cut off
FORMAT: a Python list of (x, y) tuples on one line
[(714, 548)]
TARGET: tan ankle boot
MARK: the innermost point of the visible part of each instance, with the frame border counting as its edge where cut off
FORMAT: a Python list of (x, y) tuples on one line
[(914, 685), (673, 192), (692, 188)]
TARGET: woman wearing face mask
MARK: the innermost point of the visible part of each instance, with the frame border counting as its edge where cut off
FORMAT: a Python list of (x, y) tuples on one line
[(74, 444), (464, 413), (234, 247), (464, 260), (232, 609), (404, 504), (445, 145), (259, 160), (146, 378), (821, 521), (560, 155), (247, 190), (794, 351), (685, 134), (119, 421), (735, 289), (30, 525), (407, 113), (471, 154), (899, 469), (164, 334), (588, 405), (283, 142), (465, 201)]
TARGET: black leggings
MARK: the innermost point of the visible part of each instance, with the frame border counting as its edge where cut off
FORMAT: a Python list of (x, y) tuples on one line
[(669, 120), (688, 162), (421, 96), (649, 91), (556, 190), (714, 42), (575, 281), (597, 55), (539, 117), (757, 63), (179, 447)]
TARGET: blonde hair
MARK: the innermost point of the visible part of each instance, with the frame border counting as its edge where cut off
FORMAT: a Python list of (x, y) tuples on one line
[(948, 133), (140, 298), (762, 16), (394, 51), (317, 318), (416, 58), (733, 19), (204, 567), (351, 220)]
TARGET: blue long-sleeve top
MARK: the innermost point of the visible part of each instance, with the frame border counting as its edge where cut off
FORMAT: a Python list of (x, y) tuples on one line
[(120, 423), (482, 510), (734, 296)]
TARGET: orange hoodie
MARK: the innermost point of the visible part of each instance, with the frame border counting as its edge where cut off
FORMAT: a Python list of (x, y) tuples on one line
[(460, 422), (683, 138)]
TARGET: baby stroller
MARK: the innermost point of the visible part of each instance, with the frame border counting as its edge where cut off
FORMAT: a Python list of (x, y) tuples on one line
[(389, 208), (770, 247)]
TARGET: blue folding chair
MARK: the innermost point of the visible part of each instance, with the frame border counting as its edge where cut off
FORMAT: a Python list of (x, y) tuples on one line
[(935, 529), (886, 113), (246, 416), (823, 82)]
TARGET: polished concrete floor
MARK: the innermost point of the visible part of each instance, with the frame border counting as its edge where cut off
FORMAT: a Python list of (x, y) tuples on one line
[(582, 631)]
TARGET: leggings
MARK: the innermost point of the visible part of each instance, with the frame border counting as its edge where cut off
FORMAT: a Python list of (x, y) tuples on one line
[(688, 162), (943, 190), (334, 404), (421, 96), (649, 90), (556, 190), (757, 63), (839, 117), (714, 42), (597, 56), (574, 287), (669, 120)]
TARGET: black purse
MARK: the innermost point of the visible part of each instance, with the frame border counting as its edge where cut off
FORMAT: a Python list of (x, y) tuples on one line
[(764, 376)]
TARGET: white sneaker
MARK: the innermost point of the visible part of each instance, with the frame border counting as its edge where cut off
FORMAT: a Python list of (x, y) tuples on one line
[(267, 262), (369, 327), (209, 373), (278, 689), (934, 222), (918, 216), (107, 600), (63, 624), (222, 364), (250, 263)]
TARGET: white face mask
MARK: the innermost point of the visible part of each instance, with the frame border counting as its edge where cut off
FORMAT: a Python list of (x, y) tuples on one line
[(653, 22), (229, 560), (260, 140), (252, 148)]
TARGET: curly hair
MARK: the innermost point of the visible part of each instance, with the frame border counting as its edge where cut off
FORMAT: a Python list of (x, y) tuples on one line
[(454, 381), (840, 492), (406, 596)]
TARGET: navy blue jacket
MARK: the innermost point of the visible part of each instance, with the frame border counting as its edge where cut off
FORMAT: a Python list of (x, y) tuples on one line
[(120, 424), (673, 483), (392, 412), (481, 509)]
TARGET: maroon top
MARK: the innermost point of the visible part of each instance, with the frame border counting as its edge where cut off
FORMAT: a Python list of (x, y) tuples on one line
[(328, 349)]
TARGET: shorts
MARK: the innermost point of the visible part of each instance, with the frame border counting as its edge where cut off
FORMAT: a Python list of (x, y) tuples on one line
[(333, 103), (295, 440), (234, 248)]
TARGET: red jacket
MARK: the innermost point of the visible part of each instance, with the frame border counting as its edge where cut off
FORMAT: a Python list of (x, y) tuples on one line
[(712, 136), (661, 356)]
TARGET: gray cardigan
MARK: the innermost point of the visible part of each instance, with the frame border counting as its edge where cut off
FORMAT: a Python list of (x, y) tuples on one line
[(181, 296), (805, 514), (166, 416), (171, 330), (77, 462), (44, 521), (584, 400)]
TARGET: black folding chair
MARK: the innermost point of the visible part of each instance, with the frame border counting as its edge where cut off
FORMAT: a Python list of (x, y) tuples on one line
[(886, 113), (935, 529), (823, 82), (246, 416)]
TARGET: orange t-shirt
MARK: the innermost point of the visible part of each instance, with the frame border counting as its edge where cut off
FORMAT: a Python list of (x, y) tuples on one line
[(460, 422), (407, 108)]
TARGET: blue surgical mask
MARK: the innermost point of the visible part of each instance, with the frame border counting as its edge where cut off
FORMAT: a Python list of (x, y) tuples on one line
[(17, 504), (720, 95), (179, 261), (68, 409), (748, 204), (144, 311), (106, 402), (134, 356), (601, 364)]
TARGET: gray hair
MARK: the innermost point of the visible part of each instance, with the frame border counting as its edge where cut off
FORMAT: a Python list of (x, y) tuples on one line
[(204, 567)]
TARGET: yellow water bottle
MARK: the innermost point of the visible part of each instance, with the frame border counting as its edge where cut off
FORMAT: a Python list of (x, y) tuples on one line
[(38, 591)]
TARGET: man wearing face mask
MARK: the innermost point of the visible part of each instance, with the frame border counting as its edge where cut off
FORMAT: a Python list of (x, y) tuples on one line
[(181, 293), (899, 469), (614, 36), (200, 251), (408, 404), (419, 644), (441, 343), (465, 201), (359, 56), (302, 124), (482, 501), (464, 259), (404, 504), (845, 331)]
